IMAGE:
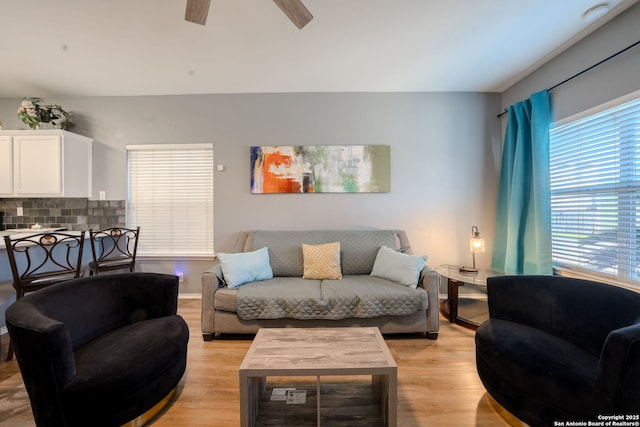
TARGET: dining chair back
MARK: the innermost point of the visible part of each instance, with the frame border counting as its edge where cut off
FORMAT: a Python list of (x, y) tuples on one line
[(113, 248), (43, 259)]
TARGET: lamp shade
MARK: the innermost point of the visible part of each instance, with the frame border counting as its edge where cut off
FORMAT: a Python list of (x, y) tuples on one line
[(476, 244)]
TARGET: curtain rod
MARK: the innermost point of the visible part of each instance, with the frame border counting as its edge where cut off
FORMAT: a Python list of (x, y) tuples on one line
[(583, 71)]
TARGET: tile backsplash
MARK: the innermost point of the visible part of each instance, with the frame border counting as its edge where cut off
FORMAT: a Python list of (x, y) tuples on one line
[(70, 213)]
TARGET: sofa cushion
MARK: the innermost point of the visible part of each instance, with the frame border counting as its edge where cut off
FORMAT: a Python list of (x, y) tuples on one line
[(398, 267), (226, 299), (375, 296), (354, 296), (322, 261), (271, 299), (359, 248), (245, 267)]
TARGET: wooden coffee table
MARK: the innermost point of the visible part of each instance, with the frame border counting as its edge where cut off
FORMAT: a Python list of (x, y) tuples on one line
[(317, 352)]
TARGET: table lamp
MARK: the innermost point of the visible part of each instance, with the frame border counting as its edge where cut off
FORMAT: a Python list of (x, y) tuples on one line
[(476, 245)]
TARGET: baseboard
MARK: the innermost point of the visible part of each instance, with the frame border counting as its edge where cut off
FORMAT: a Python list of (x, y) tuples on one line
[(3, 330)]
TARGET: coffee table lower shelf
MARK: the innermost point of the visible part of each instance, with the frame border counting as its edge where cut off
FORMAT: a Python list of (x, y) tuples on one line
[(475, 312), (344, 401)]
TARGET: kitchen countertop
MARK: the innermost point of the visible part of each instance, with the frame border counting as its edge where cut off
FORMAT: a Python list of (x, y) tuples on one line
[(23, 231)]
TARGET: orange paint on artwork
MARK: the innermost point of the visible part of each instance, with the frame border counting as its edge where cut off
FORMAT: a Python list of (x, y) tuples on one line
[(274, 183)]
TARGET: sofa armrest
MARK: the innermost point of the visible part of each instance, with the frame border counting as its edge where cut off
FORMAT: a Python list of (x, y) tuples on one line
[(430, 282), (619, 364), (211, 281)]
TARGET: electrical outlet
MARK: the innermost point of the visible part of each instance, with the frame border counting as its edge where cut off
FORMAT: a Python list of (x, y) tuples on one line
[(180, 275)]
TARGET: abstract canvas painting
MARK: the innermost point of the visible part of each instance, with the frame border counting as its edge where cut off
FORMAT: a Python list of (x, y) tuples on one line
[(321, 169)]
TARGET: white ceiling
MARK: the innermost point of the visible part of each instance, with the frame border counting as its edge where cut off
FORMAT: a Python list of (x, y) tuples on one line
[(145, 47)]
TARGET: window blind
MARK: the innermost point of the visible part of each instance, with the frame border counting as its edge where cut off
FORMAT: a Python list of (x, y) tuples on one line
[(595, 193), (170, 196)]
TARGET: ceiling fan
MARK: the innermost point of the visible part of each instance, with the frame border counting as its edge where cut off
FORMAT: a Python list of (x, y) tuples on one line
[(197, 11)]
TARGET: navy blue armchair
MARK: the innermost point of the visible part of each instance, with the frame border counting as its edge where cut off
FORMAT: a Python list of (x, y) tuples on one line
[(101, 350), (560, 349)]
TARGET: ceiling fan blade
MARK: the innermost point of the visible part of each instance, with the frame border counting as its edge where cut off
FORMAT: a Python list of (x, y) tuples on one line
[(197, 11), (296, 11)]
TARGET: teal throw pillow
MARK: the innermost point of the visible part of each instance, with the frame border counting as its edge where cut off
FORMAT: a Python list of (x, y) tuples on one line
[(398, 267), (245, 267)]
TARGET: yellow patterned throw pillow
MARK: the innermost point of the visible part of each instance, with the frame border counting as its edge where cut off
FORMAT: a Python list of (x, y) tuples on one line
[(322, 261)]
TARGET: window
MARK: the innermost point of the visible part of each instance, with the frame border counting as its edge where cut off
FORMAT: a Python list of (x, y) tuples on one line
[(170, 196), (595, 193)]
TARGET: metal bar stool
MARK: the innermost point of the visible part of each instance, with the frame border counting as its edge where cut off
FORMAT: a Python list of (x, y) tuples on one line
[(43, 259), (113, 248)]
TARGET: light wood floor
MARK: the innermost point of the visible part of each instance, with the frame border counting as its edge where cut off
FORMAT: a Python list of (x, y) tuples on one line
[(437, 381)]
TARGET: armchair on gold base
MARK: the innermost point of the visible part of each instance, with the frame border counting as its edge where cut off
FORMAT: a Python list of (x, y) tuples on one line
[(560, 349), (99, 351)]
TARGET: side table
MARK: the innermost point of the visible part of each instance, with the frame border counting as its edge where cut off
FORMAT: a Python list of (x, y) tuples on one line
[(455, 280)]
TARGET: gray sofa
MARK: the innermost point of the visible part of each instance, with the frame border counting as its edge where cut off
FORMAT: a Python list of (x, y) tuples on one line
[(289, 300)]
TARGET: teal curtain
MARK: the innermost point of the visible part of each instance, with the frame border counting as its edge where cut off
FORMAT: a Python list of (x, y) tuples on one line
[(522, 241)]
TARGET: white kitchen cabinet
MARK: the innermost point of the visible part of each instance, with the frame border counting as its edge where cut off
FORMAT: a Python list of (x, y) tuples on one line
[(45, 163), (6, 164)]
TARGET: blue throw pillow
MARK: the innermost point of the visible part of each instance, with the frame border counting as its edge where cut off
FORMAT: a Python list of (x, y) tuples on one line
[(245, 267), (398, 267)]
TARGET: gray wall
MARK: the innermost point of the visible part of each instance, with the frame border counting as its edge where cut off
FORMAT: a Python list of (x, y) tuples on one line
[(606, 82), (444, 159), (445, 147)]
